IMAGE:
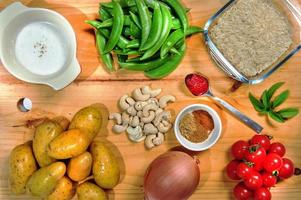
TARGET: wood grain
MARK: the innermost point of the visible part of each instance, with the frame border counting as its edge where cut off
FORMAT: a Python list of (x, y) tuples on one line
[(96, 85)]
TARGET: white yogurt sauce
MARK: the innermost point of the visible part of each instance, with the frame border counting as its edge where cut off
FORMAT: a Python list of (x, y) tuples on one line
[(41, 48)]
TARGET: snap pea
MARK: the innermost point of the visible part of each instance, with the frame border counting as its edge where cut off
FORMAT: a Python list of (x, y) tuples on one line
[(118, 20), (174, 51), (156, 29), (123, 3), (168, 67), (122, 58), (176, 24), (96, 24), (180, 11), (192, 30), (105, 57), (135, 19), (103, 14), (109, 22), (145, 20), (142, 66), (133, 44), (134, 30), (166, 18), (126, 52)]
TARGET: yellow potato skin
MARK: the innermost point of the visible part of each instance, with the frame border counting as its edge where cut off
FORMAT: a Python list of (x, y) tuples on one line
[(90, 191), (89, 118), (43, 182), (68, 144), (64, 190), (105, 167), (43, 135), (79, 167), (62, 121), (22, 165)]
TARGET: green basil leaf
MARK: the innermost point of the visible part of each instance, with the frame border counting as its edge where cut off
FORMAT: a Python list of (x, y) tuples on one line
[(258, 106), (280, 98), (273, 89), (265, 100), (276, 117), (288, 113)]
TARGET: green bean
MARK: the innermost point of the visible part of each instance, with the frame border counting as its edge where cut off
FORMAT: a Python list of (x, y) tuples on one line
[(166, 17), (145, 20), (168, 67), (133, 44), (105, 57), (117, 27), (156, 29), (135, 19), (180, 11), (143, 66)]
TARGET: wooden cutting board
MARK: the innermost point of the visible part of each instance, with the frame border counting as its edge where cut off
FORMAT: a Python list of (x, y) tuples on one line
[(96, 85)]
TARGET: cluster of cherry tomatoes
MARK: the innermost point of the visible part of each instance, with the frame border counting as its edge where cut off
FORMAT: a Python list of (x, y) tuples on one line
[(259, 164)]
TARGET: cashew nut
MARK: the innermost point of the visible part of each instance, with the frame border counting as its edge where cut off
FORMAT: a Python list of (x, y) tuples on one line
[(135, 121), (138, 96), (131, 111), (125, 118), (159, 139), (140, 114), (120, 128), (160, 117), (122, 102), (149, 141), (148, 90), (150, 129), (159, 111), (130, 101), (116, 117), (166, 99), (135, 134), (153, 100), (139, 105), (150, 118), (148, 108), (164, 128)]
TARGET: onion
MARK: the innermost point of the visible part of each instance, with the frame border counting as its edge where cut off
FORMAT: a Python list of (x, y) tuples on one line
[(173, 175)]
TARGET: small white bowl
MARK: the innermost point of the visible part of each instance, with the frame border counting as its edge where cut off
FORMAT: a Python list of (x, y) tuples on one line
[(38, 46), (211, 140)]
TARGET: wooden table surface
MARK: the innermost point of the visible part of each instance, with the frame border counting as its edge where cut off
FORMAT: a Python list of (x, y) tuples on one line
[(95, 85)]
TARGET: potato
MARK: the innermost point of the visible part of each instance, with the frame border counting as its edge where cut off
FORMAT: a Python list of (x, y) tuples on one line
[(43, 182), (105, 167), (90, 191), (63, 121), (89, 118), (79, 167), (22, 165), (64, 190), (68, 144), (43, 135)]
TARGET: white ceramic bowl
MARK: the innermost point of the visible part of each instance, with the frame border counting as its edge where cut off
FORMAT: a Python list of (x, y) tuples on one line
[(38, 46), (211, 140)]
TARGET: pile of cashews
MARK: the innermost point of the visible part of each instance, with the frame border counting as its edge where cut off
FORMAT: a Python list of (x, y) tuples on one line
[(143, 116)]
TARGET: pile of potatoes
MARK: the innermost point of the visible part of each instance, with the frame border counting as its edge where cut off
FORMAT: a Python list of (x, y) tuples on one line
[(62, 160)]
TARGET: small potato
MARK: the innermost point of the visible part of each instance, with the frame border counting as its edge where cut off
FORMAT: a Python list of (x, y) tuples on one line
[(43, 182), (68, 144), (90, 191), (22, 165), (64, 190), (43, 135), (89, 118), (62, 121), (79, 167), (105, 167)]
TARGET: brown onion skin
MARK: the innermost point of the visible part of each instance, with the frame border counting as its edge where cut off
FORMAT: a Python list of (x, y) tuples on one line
[(171, 176)]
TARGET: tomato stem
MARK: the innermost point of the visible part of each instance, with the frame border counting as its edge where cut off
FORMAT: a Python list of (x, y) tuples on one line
[(297, 172)]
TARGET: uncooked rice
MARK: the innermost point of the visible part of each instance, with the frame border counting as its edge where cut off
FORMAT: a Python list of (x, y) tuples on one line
[(252, 35)]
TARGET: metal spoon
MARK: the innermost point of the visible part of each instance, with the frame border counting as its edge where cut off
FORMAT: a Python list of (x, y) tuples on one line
[(204, 90)]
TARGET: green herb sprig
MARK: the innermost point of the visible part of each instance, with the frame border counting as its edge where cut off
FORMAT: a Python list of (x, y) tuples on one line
[(266, 106)]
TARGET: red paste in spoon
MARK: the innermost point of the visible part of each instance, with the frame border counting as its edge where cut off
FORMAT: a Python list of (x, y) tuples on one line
[(197, 84)]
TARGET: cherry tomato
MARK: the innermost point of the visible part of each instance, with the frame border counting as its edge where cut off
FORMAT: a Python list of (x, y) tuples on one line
[(277, 148), (287, 170), (231, 170), (262, 140), (258, 166), (253, 181), (243, 170), (262, 194), (239, 149), (241, 192), (272, 162), (256, 155), (268, 179)]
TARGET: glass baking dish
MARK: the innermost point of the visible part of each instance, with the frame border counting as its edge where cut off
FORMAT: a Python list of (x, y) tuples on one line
[(291, 8)]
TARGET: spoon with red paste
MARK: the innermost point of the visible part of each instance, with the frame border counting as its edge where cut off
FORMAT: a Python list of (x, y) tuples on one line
[(199, 86)]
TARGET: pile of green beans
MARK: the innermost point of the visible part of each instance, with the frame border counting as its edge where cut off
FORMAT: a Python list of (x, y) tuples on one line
[(146, 35)]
